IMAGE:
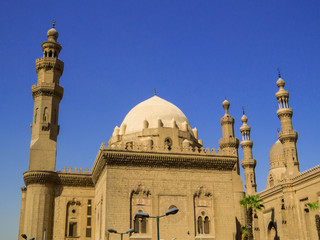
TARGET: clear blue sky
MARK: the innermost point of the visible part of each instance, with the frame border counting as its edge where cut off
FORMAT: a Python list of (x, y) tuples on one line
[(195, 53)]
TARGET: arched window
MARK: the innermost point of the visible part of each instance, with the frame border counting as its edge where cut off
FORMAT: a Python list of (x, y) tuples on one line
[(200, 225), (45, 114), (50, 53), (35, 115), (317, 218), (206, 225), (168, 143), (140, 224)]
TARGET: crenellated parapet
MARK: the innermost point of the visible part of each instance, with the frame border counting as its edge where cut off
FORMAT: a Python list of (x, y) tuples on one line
[(162, 149), (76, 170)]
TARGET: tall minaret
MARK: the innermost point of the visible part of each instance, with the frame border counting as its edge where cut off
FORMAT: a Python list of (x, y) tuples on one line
[(38, 196), (288, 137), (47, 94), (228, 141), (248, 163)]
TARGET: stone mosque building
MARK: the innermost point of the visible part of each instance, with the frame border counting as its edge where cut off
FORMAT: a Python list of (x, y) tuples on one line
[(155, 162)]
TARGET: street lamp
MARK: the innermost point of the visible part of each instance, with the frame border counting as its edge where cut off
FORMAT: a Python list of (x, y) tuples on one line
[(25, 236), (146, 215), (111, 230)]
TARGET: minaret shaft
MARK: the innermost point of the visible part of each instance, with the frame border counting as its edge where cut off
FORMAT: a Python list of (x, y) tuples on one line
[(288, 137), (248, 163), (38, 196)]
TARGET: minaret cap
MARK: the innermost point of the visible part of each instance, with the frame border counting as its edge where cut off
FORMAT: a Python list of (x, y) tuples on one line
[(52, 34), (280, 82), (244, 119), (245, 126), (226, 106)]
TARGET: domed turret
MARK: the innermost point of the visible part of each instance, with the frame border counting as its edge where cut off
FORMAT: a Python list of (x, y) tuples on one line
[(163, 123), (277, 164)]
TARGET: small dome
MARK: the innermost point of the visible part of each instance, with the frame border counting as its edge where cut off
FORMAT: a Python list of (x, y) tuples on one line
[(152, 110), (244, 119), (276, 155), (52, 35), (280, 83)]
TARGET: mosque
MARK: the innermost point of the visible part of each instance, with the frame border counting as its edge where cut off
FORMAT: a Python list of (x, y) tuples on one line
[(153, 163)]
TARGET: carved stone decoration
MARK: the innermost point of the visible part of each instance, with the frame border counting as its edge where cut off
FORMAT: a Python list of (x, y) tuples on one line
[(204, 213), (140, 201)]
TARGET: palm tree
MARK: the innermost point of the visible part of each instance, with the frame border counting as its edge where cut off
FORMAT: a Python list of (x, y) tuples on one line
[(244, 231), (315, 206), (251, 203)]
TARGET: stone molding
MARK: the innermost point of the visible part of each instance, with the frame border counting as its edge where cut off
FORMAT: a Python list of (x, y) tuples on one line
[(47, 89), (288, 136), (40, 177), (58, 178), (229, 142), (160, 160), (76, 180), (48, 63)]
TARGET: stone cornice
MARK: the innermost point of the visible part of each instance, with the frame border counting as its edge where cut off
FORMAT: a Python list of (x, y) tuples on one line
[(47, 89), (77, 180), (40, 177), (58, 178), (47, 64), (160, 160)]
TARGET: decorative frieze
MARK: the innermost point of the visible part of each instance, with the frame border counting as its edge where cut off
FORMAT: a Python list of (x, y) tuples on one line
[(58, 178)]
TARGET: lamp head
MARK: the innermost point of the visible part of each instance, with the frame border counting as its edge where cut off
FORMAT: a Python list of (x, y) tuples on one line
[(131, 230), (142, 214), (172, 211), (111, 230), (24, 236)]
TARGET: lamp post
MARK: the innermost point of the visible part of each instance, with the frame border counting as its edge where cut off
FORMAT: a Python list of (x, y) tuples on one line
[(146, 215), (111, 230), (25, 236)]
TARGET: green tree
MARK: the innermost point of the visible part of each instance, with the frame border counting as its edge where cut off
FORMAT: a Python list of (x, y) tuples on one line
[(315, 206), (244, 233), (251, 203)]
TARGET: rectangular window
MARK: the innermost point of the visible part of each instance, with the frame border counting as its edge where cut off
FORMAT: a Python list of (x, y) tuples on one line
[(89, 202), (88, 221), (89, 211), (72, 229), (88, 232)]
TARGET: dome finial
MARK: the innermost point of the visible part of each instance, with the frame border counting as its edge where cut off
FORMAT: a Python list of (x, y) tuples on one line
[(53, 23), (243, 110), (155, 91), (279, 73)]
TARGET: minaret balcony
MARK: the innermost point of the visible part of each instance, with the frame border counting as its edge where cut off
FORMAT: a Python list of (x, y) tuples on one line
[(284, 112), (246, 143), (231, 142), (288, 136), (49, 63)]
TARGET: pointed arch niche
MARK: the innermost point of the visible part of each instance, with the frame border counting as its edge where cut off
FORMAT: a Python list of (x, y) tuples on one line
[(72, 229), (204, 221), (140, 201)]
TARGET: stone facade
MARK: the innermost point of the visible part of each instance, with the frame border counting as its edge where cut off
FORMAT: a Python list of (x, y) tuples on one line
[(155, 162)]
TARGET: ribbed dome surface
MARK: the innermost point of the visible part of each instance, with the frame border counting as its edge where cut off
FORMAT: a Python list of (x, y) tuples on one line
[(276, 155), (151, 110)]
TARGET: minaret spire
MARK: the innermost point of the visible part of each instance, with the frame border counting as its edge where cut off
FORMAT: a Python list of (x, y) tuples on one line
[(228, 141), (287, 136), (248, 163), (37, 220), (47, 94)]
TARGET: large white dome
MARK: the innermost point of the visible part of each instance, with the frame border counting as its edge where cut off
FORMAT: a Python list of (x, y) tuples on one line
[(151, 110)]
